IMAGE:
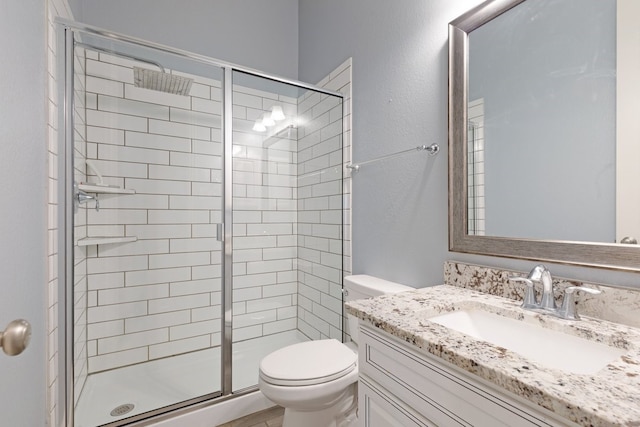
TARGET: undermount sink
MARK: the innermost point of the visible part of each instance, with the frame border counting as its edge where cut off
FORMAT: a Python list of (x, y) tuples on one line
[(547, 347)]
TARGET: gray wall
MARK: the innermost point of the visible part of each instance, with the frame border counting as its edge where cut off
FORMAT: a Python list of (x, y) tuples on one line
[(23, 173), (400, 206), (546, 71), (399, 102), (253, 33)]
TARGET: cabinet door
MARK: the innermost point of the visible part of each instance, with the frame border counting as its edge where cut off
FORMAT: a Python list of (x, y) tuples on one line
[(378, 409), (446, 397)]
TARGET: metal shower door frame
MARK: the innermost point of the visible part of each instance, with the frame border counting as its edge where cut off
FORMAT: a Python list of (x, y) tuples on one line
[(65, 33)]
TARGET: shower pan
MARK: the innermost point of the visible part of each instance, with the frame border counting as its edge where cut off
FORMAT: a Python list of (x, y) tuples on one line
[(201, 223)]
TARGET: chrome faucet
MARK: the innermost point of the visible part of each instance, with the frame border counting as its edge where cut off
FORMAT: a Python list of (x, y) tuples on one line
[(547, 304), (541, 274)]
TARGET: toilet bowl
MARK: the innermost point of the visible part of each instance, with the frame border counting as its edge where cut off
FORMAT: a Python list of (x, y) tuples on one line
[(316, 381)]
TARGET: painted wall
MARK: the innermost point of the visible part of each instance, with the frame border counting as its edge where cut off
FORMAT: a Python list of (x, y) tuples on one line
[(399, 102), (257, 34), (400, 54), (23, 230)]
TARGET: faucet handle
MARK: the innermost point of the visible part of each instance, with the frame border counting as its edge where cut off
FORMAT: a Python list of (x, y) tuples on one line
[(568, 309), (529, 300), (537, 272)]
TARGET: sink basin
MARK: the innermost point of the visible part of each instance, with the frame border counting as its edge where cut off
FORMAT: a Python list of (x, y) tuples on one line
[(547, 347)]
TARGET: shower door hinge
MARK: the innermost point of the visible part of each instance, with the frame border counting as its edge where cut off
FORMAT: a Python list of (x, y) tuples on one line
[(220, 232)]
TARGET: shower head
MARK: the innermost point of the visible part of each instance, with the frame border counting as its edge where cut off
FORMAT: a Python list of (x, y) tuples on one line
[(161, 81), (150, 79)]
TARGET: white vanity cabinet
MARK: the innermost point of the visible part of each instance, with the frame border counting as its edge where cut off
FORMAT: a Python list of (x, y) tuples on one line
[(399, 386)]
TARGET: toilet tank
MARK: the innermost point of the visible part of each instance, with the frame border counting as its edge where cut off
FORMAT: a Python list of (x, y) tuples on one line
[(361, 286)]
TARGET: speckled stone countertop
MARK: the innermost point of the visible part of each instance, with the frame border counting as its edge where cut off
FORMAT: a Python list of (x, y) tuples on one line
[(610, 397)]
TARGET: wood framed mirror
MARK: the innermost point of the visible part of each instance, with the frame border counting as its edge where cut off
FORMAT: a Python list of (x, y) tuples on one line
[(540, 99)]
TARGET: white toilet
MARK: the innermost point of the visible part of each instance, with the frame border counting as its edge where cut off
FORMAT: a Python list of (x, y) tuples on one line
[(316, 381)]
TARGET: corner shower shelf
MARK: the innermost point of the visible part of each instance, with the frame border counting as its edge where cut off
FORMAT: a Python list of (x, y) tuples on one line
[(88, 241), (92, 188)]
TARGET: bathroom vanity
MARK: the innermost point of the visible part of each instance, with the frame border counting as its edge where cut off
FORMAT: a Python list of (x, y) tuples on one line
[(416, 371), (399, 385)]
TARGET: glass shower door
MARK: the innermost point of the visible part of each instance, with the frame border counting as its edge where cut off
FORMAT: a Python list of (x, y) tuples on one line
[(148, 171), (164, 313), (287, 219)]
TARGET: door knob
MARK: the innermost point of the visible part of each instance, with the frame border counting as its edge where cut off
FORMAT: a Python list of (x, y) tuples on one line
[(15, 338)]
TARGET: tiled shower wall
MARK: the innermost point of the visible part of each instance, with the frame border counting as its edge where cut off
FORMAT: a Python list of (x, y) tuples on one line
[(160, 295), (79, 229), (183, 313), (264, 216), (143, 307), (475, 167), (288, 269), (323, 259)]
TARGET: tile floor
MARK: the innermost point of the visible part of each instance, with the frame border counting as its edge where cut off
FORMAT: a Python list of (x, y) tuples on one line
[(271, 417)]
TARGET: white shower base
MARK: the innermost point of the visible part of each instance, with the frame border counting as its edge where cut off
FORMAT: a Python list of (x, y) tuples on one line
[(163, 382)]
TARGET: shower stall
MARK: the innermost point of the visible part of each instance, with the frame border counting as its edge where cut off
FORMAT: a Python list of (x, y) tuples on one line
[(201, 224)]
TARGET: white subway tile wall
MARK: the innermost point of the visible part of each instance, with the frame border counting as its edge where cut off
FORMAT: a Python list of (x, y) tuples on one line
[(324, 205), (160, 295), (287, 195), (80, 289), (476, 167), (264, 217)]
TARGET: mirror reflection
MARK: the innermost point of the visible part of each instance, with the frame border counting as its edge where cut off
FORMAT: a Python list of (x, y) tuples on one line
[(547, 153), (542, 127)]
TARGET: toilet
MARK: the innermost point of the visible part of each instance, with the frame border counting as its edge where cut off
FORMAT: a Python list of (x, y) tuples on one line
[(316, 381)]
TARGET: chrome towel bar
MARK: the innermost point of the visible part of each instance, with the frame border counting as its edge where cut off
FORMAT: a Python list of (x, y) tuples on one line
[(431, 149)]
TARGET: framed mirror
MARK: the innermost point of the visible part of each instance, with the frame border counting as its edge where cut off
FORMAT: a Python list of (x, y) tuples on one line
[(544, 145)]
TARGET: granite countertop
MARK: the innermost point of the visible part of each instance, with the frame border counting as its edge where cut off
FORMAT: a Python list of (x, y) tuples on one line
[(610, 397)]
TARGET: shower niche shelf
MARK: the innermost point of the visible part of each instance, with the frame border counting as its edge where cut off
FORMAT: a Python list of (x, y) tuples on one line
[(103, 189), (92, 188), (88, 241)]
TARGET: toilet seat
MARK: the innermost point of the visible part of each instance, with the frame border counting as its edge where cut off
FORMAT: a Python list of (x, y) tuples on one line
[(308, 363)]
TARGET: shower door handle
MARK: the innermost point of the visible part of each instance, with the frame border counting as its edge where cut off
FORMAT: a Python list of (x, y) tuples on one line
[(15, 338), (219, 232)]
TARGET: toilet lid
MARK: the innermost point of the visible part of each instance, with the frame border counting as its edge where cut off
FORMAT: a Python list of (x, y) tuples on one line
[(312, 362)]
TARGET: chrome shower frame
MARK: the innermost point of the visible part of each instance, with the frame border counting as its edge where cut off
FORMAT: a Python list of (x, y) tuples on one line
[(65, 39)]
